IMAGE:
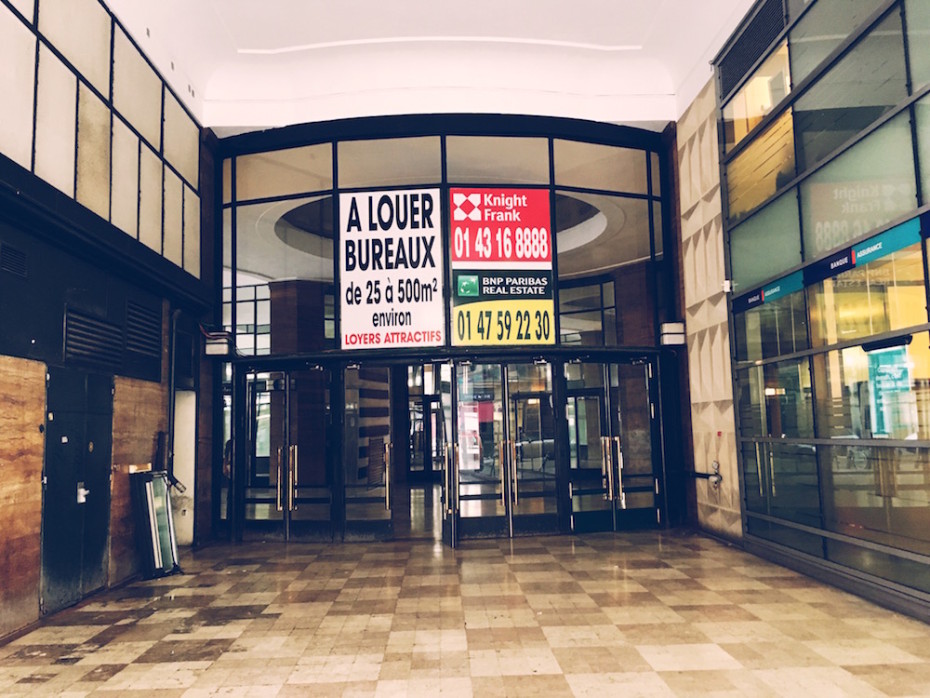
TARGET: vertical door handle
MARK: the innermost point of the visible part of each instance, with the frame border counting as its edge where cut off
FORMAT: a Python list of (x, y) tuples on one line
[(292, 478), (605, 473), (513, 470), (502, 458), (772, 470), (620, 493), (611, 487), (387, 476), (446, 494), (759, 470), (455, 478), (280, 476)]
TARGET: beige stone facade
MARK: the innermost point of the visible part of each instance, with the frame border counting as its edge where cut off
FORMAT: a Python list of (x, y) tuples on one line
[(713, 425)]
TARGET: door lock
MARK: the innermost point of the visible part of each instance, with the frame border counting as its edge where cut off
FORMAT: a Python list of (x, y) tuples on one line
[(82, 493)]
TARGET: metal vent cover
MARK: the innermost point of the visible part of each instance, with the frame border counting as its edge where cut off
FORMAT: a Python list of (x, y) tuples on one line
[(751, 44), (90, 340), (143, 329), (13, 261)]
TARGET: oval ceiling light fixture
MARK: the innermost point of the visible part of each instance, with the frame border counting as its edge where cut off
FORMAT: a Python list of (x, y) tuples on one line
[(549, 43)]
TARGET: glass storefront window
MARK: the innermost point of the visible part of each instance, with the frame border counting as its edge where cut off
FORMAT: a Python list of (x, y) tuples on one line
[(775, 400), (875, 392), (392, 162), (881, 494), (587, 315), (757, 97), (605, 167), (766, 244), (866, 187), (493, 159), (772, 329), (763, 168), (284, 268), (868, 82), (284, 172), (822, 30), (885, 295), (922, 111), (597, 232), (782, 480)]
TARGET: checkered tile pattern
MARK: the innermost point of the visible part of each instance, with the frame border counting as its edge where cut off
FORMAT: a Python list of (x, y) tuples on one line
[(644, 614)]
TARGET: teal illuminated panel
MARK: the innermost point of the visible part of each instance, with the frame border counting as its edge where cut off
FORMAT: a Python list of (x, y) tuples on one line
[(784, 286), (897, 238)]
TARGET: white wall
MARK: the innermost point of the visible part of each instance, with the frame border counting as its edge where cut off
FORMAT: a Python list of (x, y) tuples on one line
[(185, 449)]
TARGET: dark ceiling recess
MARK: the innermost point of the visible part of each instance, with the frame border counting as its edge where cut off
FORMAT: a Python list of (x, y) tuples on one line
[(570, 212), (315, 217)]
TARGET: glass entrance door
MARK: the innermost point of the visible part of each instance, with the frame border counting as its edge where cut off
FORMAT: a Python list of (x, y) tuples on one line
[(500, 475), (612, 482), (288, 488), (367, 452), (428, 435)]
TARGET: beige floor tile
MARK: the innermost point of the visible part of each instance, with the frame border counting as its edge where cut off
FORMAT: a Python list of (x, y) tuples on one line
[(694, 657), (645, 684)]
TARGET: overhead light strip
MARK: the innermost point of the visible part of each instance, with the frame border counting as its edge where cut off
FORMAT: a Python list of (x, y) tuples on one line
[(441, 40)]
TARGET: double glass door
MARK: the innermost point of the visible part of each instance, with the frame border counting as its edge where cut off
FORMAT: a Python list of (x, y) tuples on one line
[(610, 414), (333, 452), (500, 471), (287, 489)]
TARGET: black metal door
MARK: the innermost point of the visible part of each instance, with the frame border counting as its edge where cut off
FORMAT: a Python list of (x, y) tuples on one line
[(76, 496), (97, 450)]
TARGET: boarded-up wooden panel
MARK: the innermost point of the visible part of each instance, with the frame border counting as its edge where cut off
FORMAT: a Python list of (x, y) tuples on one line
[(140, 412), (22, 444)]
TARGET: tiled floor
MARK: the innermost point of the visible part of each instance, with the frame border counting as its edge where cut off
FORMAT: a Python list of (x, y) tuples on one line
[(646, 614)]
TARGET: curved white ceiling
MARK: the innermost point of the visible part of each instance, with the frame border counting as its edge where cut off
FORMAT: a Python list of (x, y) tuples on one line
[(252, 65)]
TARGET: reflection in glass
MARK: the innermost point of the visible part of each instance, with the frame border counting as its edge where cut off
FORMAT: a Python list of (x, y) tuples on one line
[(587, 315), (775, 400), (881, 494), (597, 232), (764, 167), (881, 393), (869, 81), (922, 111), (887, 294), (821, 31), (480, 433), (917, 13), (284, 272), (766, 244), (492, 159), (593, 166), (284, 172), (775, 328), (866, 187), (367, 443), (757, 97), (390, 162)]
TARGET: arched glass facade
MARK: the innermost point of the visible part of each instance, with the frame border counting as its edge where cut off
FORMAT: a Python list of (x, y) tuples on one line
[(466, 302)]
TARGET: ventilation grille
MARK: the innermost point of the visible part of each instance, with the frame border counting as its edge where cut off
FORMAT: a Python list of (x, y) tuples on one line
[(90, 340), (143, 330), (13, 260), (752, 43)]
